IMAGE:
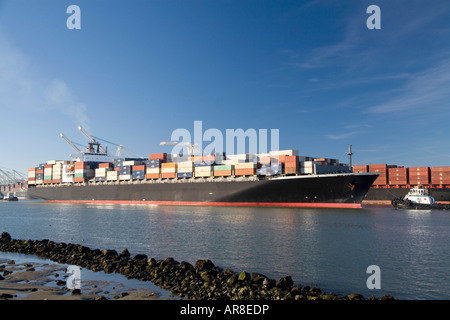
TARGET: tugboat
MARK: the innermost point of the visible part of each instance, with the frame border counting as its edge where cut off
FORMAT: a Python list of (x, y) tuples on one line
[(418, 198), (11, 197)]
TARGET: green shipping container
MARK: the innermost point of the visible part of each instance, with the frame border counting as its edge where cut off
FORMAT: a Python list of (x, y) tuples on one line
[(48, 177)]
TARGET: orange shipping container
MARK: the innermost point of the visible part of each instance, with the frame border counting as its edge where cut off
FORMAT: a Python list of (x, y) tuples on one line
[(138, 167), (105, 165), (81, 165), (265, 159), (78, 179), (152, 175), (222, 173), (155, 156), (166, 175), (169, 165), (244, 172)]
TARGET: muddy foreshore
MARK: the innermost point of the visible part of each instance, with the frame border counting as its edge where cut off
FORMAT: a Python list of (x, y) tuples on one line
[(202, 281)]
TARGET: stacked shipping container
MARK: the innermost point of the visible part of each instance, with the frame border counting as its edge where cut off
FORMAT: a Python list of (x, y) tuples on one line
[(163, 166), (440, 175), (398, 176), (393, 176)]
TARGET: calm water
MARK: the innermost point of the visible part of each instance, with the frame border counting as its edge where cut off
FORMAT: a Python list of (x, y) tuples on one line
[(328, 248)]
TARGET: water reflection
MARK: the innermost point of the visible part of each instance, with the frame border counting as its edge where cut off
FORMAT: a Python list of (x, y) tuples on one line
[(331, 248)]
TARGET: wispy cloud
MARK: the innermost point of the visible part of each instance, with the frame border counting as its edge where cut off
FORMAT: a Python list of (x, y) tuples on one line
[(342, 135), (24, 87), (427, 90)]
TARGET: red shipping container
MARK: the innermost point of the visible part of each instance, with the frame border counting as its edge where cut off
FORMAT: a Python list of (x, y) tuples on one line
[(32, 169), (378, 168), (361, 168), (138, 167), (48, 166), (78, 179), (56, 180), (289, 159), (161, 156), (440, 169), (290, 170), (419, 169), (403, 171)]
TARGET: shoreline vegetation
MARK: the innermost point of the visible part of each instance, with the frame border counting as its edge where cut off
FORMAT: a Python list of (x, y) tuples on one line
[(202, 281)]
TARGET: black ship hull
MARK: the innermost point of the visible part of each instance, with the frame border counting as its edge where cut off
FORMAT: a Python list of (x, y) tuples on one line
[(327, 190)]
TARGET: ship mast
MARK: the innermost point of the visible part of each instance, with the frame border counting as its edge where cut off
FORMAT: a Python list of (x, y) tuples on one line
[(349, 153)]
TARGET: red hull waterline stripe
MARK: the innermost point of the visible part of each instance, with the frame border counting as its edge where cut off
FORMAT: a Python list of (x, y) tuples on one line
[(223, 204)]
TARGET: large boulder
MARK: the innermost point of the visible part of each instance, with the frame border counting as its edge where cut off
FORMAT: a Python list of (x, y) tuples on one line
[(202, 265), (5, 236)]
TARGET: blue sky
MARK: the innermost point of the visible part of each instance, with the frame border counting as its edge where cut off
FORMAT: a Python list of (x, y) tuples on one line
[(138, 70)]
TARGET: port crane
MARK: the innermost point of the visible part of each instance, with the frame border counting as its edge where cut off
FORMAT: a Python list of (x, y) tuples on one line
[(9, 177), (94, 146), (192, 148)]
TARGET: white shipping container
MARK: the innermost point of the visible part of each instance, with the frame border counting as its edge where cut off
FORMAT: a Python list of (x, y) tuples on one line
[(186, 164), (153, 170), (203, 173), (85, 171), (168, 170), (284, 153), (203, 169), (125, 177), (248, 165)]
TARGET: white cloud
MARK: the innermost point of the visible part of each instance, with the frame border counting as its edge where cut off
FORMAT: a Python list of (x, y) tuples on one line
[(24, 87)]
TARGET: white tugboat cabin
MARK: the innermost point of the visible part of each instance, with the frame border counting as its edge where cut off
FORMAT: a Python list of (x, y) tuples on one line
[(420, 196)]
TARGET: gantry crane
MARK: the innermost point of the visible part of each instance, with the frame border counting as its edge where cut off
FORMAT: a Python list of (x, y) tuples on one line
[(192, 148)]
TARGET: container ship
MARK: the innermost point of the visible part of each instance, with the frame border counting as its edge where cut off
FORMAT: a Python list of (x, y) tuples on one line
[(274, 179), (395, 182)]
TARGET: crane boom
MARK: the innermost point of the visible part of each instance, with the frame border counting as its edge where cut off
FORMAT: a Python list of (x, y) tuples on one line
[(91, 139), (70, 142), (191, 147)]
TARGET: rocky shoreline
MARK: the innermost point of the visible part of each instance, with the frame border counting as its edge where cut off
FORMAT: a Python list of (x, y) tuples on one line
[(202, 281)]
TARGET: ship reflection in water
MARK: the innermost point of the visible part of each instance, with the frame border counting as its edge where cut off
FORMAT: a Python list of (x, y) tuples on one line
[(327, 247)]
